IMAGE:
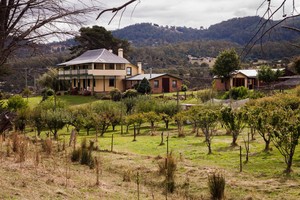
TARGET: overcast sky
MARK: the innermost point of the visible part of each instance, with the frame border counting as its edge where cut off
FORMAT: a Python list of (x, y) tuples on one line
[(189, 13)]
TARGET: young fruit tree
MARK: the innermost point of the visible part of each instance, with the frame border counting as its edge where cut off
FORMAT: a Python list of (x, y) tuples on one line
[(285, 133), (233, 121), (207, 120)]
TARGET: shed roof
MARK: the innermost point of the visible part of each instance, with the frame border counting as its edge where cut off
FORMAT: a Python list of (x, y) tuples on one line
[(96, 56), (140, 77)]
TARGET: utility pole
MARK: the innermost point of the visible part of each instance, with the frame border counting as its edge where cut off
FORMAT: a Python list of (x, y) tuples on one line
[(26, 83)]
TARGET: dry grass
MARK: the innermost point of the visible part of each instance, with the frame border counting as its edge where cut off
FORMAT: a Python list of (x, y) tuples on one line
[(54, 177)]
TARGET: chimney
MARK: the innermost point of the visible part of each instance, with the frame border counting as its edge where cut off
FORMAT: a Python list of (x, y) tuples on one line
[(120, 52), (150, 72), (110, 50), (139, 64)]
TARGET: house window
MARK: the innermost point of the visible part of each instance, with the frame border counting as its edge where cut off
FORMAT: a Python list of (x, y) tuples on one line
[(128, 71), (111, 82), (120, 67), (110, 66), (98, 66), (89, 82), (74, 83), (174, 84), (156, 83), (94, 82)]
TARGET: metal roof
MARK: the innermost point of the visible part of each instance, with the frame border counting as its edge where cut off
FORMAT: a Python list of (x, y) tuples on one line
[(96, 56), (142, 76), (251, 73)]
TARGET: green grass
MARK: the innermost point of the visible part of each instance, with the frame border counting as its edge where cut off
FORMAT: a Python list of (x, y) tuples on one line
[(77, 99), (195, 150)]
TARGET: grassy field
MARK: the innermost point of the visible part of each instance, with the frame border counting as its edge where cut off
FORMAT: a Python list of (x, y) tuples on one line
[(55, 177), (262, 177)]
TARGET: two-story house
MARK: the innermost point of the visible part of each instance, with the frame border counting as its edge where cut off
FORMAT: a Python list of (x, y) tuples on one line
[(101, 70), (98, 70)]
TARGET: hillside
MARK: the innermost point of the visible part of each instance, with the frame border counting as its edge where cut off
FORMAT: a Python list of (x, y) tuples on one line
[(237, 30)]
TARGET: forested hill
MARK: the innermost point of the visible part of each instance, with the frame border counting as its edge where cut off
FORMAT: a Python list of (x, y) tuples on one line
[(237, 30)]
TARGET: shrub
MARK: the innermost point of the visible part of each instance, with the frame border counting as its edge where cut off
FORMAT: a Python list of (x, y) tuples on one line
[(184, 88), (74, 91), (205, 95), (130, 93), (216, 185), (47, 146), (236, 93), (115, 94), (84, 144), (16, 102), (144, 87), (297, 91), (75, 156), (127, 176), (16, 142), (86, 93), (256, 94), (168, 167)]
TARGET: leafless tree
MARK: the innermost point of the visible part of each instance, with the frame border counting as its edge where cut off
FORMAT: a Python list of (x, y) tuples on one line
[(265, 27), (27, 22)]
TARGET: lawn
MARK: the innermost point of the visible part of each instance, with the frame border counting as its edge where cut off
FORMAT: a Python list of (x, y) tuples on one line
[(262, 176)]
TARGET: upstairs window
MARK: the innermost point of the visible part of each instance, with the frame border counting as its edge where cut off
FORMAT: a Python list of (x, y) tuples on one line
[(110, 66), (128, 71)]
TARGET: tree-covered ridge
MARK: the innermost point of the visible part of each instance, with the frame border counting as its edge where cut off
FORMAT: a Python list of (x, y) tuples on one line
[(237, 30)]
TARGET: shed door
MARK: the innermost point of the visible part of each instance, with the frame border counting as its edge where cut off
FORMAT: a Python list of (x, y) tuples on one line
[(166, 84)]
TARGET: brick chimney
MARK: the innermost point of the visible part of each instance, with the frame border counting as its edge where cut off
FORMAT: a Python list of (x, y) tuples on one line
[(139, 64), (120, 52)]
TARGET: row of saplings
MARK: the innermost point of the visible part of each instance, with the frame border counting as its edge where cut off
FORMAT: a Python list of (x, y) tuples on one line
[(275, 119)]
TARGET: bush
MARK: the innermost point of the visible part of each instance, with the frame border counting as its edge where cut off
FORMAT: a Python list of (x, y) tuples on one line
[(86, 93), (102, 96), (74, 91), (130, 93), (184, 88), (205, 95), (168, 169), (75, 156), (16, 102), (216, 185), (236, 93), (47, 146), (297, 91), (47, 92), (115, 94), (256, 94), (144, 87)]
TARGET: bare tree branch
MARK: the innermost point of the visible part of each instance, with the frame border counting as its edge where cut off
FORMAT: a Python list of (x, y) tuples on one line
[(116, 9), (263, 30)]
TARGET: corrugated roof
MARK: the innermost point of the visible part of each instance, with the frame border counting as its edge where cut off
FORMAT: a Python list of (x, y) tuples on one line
[(95, 56), (251, 73), (142, 76)]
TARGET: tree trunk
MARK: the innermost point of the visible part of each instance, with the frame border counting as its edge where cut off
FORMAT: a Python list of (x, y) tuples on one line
[(288, 169), (209, 146), (55, 135), (234, 139), (267, 145), (197, 132), (167, 124), (134, 134)]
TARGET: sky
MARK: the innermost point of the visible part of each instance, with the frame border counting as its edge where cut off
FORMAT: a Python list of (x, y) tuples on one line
[(189, 13)]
